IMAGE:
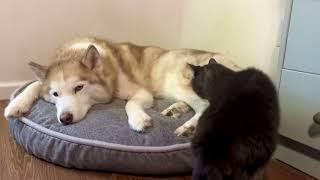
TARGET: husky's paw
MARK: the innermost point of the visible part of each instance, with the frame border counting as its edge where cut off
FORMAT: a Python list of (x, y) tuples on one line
[(16, 108), (140, 122), (176, 110), (185, 130)]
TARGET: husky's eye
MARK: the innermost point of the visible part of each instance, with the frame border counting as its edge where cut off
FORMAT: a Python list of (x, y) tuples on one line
[(78, 88), (55, 94)]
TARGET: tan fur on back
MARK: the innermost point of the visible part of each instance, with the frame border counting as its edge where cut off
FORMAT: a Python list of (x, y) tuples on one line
[(127, 66)]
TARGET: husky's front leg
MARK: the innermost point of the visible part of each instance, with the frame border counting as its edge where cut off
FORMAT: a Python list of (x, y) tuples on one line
[(137, 118), (23, 102)]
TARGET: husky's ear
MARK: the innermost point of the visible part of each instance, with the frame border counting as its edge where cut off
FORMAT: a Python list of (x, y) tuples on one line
[(212, 61), (92, 59), (39, 71)]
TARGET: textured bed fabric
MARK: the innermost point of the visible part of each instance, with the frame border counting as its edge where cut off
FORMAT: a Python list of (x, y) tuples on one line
[(103, 140)]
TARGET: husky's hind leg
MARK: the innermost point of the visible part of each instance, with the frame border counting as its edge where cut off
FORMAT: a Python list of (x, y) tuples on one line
[(176, 109), (198, 104)]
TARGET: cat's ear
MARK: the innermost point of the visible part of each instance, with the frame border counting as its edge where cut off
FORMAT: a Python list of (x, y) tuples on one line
[(212, 61), (194, 68)]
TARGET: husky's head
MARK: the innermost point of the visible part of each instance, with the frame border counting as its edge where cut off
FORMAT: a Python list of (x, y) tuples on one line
[(74, 84)]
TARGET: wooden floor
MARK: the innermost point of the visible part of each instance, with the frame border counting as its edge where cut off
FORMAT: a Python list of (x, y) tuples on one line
[(16, 164)]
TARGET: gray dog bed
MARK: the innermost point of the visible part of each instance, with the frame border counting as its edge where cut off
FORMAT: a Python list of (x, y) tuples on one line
[(104, 141)]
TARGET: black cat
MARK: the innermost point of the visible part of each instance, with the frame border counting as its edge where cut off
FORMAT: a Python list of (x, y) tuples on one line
[(237, 134)]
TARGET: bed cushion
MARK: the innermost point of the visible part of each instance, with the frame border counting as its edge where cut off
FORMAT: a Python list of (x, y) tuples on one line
[(104, 141)]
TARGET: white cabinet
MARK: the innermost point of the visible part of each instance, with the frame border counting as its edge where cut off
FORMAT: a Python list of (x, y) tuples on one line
[(299, 87)]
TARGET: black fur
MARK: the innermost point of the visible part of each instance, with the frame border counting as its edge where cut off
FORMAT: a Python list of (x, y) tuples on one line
[(236, 136)]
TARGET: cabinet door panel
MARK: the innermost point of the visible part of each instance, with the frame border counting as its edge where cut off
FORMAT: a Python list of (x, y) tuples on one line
[(303, 45), (299, 100)]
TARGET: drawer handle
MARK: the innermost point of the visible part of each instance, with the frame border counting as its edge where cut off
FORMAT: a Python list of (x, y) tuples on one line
[(314, 129), (316, 118)]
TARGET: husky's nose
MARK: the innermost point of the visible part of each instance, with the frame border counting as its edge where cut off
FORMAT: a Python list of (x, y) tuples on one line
[(66, 118)]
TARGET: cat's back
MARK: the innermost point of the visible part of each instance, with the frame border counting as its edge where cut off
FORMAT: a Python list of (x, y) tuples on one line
[(239, 128), (256, 100)]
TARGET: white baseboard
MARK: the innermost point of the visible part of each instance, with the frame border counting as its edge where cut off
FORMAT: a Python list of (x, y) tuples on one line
[(300, 161), (7, 88)]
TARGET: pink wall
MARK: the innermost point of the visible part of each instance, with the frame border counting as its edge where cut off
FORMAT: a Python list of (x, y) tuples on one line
[(31, 30)]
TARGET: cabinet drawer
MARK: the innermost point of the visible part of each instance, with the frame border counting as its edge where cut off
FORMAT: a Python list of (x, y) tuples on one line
[(299, 100), (302, 51)]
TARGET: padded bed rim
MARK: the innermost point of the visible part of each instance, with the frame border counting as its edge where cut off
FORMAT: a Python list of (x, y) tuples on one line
[(102, 144), (143, 160)]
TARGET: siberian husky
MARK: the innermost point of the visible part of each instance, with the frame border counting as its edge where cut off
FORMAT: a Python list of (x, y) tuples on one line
[(88, 71)]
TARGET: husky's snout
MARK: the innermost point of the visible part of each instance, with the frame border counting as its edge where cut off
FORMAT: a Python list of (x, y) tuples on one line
[(66, 118), (71, 109)]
